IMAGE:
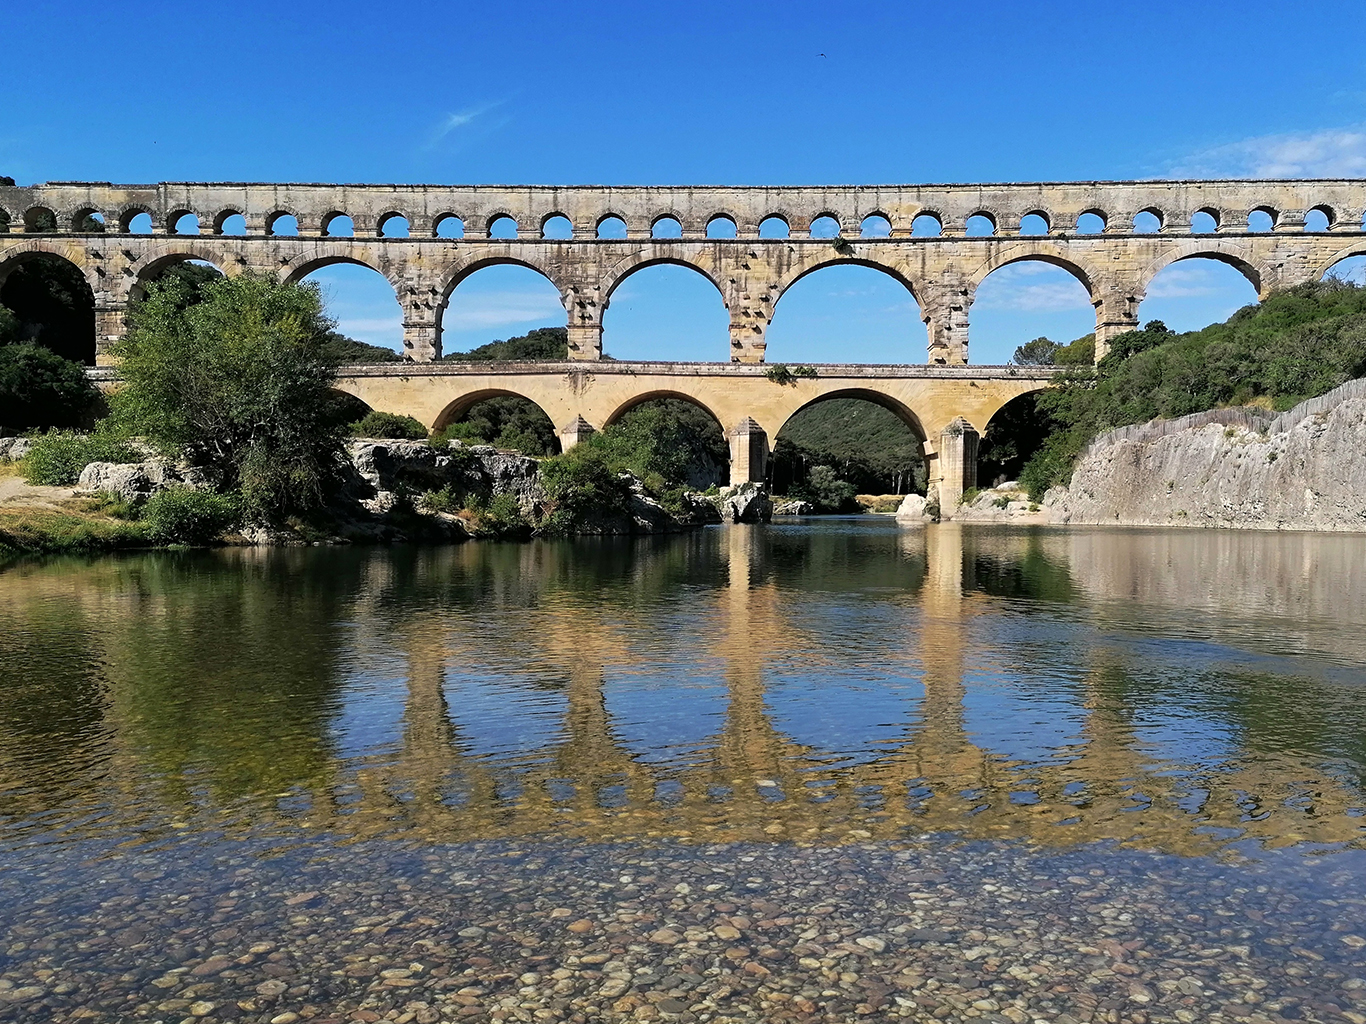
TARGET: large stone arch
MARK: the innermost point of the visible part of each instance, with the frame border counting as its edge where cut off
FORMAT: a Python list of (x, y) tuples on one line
[(159, 257), (1258, 274), (648, 396), (462, 404), (73, 252), (623, 269), (870, 258), (1358, 248), (903, 412), (1039, 251), (316, 258)]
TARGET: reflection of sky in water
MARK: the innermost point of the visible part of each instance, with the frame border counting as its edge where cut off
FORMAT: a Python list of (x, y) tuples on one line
[(666, 713), (369, 714), (506, 719)]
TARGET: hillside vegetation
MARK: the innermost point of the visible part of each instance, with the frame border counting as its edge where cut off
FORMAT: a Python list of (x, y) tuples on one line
[(1296, 345), (865, 444)]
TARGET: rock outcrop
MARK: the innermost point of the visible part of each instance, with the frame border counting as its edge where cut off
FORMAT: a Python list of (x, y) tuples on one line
[(793, 507), (913, 510), (135, 482), (384, 469), (1302, 470), (745, 503), (12, 449)]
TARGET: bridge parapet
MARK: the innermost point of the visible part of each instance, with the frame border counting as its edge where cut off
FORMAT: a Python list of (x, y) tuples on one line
[(1086, 228)]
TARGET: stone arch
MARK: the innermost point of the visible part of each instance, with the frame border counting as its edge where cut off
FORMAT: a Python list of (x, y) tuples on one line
[(1093, 211), (720, 216), (82, 213), (649, 396), (494, 216), (610, 214), (1046, 215), (460, 269), (545, 221), (40, 220), (328, 219), (74, 253), (152, 263), (990, 216), (624, 269), (1357, 248), (459, 406), (384, 218), (822, 215), (283, 211), (1257, 273), (173, 218), (895, 270), (325, 255), (903, 411), (221, 218), (1040, 251), (1329, 213), (126, 213), (446, 215)]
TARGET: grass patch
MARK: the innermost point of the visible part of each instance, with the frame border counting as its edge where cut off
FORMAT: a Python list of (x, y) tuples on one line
[(49, 531)]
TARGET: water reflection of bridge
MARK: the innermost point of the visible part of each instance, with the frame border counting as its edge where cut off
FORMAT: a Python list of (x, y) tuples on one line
[(756, 783), (749, 780)]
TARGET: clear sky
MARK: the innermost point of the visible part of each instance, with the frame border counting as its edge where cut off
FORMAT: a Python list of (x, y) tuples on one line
[(725, 93)]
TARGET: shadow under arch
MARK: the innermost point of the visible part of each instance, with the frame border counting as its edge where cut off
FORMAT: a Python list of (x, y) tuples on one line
[(1013, 434), (902, 411), (651, 396), (55, 307), (1237, 258), (458, 407)]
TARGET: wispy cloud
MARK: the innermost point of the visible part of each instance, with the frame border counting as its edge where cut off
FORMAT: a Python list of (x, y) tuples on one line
[(1330, 153), (1033, 287), (454, 122)]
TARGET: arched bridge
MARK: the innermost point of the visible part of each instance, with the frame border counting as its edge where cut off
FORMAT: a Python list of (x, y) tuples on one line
[(751, 243)]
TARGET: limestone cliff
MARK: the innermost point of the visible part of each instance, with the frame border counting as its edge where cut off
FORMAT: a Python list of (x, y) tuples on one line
[(1301, 470)]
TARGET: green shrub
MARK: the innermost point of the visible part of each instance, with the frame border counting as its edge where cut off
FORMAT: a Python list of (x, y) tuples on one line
[(447, 500), (970, 495), (389, 425), (824, 489), (57, 458), (40, 389), (181, 515), (580, 483)]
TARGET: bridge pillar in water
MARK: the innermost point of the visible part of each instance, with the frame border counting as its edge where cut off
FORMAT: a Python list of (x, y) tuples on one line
[(748, 453), (957, 463), (579, 429)]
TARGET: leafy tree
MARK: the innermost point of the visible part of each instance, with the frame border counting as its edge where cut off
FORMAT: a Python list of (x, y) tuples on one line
[(544, 344), (824, 489), (1038, 352), (868, 445), (38, 388), (238, 382), (348, 351), (389, 425), (506, 422)]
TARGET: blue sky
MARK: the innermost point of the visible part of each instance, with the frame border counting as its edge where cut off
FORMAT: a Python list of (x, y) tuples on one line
[(731, 93)]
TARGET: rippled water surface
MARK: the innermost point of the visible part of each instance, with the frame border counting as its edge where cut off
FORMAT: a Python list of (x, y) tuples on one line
[(1086, 774)]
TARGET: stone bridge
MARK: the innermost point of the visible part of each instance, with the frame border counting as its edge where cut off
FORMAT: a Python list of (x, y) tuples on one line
[(752, 243)]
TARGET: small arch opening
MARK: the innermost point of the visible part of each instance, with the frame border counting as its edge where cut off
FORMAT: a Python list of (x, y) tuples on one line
[(927, 225), (1034, 224), (394, 225), (503, 419), (1092, 222), (40, 220), (503, 227), (233, 224), (980, 225), (666, 312), (339, 225), (1192, 293), (1320, 218), (666, 227), (846, 444), (774, 226), (185, 224), (1147, 222), (1261, 219), (557, 227), (449, 226), (4, 222), (721, 226), (875, 226), (282, 224), (140, 223), (53, 306), (612, 227), (1204, 222), (497, 302), (88, 222), (824, 226)]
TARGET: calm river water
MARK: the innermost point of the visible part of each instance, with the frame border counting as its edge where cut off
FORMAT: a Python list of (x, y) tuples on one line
[(823, 771)]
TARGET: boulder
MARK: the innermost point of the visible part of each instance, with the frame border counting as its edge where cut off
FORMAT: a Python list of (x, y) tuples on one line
[(12, 449), (745, 503), (135, 482), (415, 467), (793, 507), (912, 509)]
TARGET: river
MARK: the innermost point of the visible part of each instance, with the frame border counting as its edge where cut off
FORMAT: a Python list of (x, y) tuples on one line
[(823, 770)]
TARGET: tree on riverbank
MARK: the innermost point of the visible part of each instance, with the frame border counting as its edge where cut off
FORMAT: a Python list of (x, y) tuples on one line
[(239, 383), (1297, 344)]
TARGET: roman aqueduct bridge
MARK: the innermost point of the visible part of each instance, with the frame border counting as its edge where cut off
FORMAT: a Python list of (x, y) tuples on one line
[(752, 243)]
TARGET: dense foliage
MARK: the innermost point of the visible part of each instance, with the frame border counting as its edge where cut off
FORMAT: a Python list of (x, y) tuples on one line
[(57, 458), (1297, 344), (544, 344), (40, 389), (507, 422), (50, 304), (864, 443), (180, 515), (389, 425), (237, 382), (346, 351)]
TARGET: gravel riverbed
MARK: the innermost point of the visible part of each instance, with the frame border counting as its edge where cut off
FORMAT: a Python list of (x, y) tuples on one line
[(198, 931)]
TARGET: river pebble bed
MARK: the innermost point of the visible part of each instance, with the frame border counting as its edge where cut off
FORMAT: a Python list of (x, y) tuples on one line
[(930, 929)]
